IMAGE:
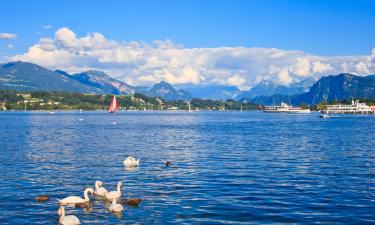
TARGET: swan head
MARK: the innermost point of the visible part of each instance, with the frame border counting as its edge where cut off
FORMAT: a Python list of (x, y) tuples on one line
[(119, 184), (90, 190), (61, 210)]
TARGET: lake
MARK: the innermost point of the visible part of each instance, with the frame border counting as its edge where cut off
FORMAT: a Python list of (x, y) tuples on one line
[(227, 167)]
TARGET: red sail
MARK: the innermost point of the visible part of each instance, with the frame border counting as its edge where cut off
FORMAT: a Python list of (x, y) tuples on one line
[(114, 105)]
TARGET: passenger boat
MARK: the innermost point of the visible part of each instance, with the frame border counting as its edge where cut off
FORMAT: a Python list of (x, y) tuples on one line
[(285, 108)]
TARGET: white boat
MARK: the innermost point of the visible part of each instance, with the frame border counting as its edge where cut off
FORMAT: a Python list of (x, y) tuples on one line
[(189, 107), (355, 108), (285, 108), (325, 116)]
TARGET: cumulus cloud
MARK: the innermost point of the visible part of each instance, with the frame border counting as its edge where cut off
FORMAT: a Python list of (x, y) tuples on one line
[(145, 63), (8, 36), (319, 67), (236, 80)]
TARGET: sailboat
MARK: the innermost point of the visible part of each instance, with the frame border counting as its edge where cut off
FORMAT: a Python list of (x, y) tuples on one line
[(114, 105), (189, 107)]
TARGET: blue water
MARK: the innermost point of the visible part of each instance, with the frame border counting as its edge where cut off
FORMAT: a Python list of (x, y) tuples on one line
[(227, 167)]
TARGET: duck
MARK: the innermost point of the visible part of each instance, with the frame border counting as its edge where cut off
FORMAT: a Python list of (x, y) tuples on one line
[(133, 201), (76, 199), (67, 220), (114, 194), (41, 198), (99, 189), (115, 207), (131, 161)]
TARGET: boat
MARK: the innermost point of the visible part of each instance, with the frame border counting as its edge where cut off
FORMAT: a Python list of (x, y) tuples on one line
[(285, 108), (354, 108), (189, 110), (325, 116), (114, 105)]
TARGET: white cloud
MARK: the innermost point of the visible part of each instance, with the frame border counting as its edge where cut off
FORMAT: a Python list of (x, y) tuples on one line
[(319, 67), (48, 26), (362, 68), (144, 63), (236, 80), (10, 46), (302, 67), (8, 36)]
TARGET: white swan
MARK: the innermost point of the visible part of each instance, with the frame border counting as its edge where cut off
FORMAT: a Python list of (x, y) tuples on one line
[(76, 199), (114, 194), (131, 161), (99, 189), (115, 207), (67, 220)]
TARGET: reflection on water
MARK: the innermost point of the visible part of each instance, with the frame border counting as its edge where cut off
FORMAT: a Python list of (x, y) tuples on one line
[(227, 167)]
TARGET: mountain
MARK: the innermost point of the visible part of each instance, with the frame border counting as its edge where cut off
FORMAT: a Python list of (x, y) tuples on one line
[(214, 92), (23, 76), (102, 82), (166, 91), (268, 88), (331, 88)]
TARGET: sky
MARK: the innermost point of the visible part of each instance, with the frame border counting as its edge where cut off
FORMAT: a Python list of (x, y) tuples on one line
[(229, 42)]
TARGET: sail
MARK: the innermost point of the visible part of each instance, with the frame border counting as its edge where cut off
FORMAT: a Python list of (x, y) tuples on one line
[(114, 105)]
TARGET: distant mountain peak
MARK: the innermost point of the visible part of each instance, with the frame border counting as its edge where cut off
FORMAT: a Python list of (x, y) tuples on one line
[(166, 91)]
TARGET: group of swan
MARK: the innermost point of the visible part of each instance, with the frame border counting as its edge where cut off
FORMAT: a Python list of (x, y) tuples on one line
[(99, 191)]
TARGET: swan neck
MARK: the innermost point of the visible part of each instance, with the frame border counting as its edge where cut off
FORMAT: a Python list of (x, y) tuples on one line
[(118, 188), (85, 194), (62, 212)]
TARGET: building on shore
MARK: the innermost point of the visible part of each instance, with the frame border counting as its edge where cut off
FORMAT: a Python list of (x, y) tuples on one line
[(354, 108)]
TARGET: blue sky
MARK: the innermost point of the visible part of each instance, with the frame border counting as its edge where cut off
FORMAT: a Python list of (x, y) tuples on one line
[(325, 27), (321, 28)]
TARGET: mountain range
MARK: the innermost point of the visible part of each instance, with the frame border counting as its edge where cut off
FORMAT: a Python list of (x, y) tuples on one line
[(268, 88), (24, 76), (327, 89)]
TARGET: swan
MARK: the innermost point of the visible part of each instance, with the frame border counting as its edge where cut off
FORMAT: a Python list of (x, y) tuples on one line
[(131, 161), (76, 199), (114, 194), (99, 190), (67, 220), (115, 207)]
